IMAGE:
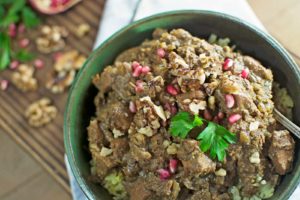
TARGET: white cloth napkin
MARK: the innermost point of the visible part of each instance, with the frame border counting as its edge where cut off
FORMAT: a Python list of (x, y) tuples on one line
[(119, 13)]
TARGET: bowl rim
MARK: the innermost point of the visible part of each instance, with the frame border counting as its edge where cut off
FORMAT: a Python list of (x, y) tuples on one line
[(70, 101)]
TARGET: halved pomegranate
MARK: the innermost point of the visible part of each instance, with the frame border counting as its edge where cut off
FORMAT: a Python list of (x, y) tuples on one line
[(51, 7)]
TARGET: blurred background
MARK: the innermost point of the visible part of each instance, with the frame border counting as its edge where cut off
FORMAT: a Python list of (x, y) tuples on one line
[(43, 43)]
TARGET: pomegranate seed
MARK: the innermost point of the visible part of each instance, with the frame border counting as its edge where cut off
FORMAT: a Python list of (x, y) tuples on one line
[(229, 100), (245, 73), (4, 84), (207, 115), (163, 174), (57, 55), (146, 69), (135, 64), (161, 52), (21, 28), (173, 110), (55, 3), (227, 63), (14, 64), (12, 30), (172, 90), (220, 115), (216, 119), (167, 106), (132, 107), (234, 118), (38, 63), (137, 71), (24, 42), (139, 86), (173, 165), (63, 2)]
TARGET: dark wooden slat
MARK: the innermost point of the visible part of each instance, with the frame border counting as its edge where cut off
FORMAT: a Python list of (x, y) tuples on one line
[(54, 127), (46, 144), (36, 136)]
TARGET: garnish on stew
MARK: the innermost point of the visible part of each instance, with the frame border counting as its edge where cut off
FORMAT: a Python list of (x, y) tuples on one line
[(214, 137)]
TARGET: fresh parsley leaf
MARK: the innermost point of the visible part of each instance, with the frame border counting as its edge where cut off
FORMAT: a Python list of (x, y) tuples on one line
[(16, 6), (12, 15), (206, 137), (4, 50), (5, 2), (29, 17), (197, 121), (9, 19), (214, 137), (2, 11), (23, 56), (182, 124)]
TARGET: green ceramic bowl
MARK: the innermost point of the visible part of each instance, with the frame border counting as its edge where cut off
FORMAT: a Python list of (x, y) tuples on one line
[(248, 38)]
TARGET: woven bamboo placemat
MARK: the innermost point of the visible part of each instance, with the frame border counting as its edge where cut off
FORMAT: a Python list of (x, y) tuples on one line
[(45, 144)]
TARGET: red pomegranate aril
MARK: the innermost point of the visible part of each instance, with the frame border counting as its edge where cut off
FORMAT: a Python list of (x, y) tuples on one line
[(145, 69), (216, 119), (64, 1), (220, 115), (56, 3), (14, 64), (57, 55), (24, 42), (21, 28), (245, 73), (38, 63), (12, 30), (173, 110), (227, 64), (234, 118), (134, 65), (161, 52), (139, 86), (173, 165), (207, 115), (172, 90), (137, 71), (163, 174), (132, 107), (4, 84), (229, 100)]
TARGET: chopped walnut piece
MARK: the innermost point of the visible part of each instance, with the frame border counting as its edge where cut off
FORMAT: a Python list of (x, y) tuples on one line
[(105, 152), (51, 39), (23, 78), (82, 30), (65, 70), (40, 112), (158, 109), (195, 106)]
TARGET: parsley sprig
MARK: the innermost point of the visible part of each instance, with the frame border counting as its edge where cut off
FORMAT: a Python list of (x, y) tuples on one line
[(214, 137), (14, 12)]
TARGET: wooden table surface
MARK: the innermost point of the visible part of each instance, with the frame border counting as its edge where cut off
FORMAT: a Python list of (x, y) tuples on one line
[(45, 144)]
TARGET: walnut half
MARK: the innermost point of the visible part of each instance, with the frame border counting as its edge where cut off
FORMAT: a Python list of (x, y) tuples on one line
[(40, 112), (23, 78), (64, 71)]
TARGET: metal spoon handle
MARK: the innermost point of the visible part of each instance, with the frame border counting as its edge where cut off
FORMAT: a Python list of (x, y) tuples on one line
[(293, 128)]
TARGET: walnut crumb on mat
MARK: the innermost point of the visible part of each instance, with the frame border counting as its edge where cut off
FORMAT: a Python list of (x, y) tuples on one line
[(82, 30), (51, 39), (23, 78), (40, 112), (64, 72)]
